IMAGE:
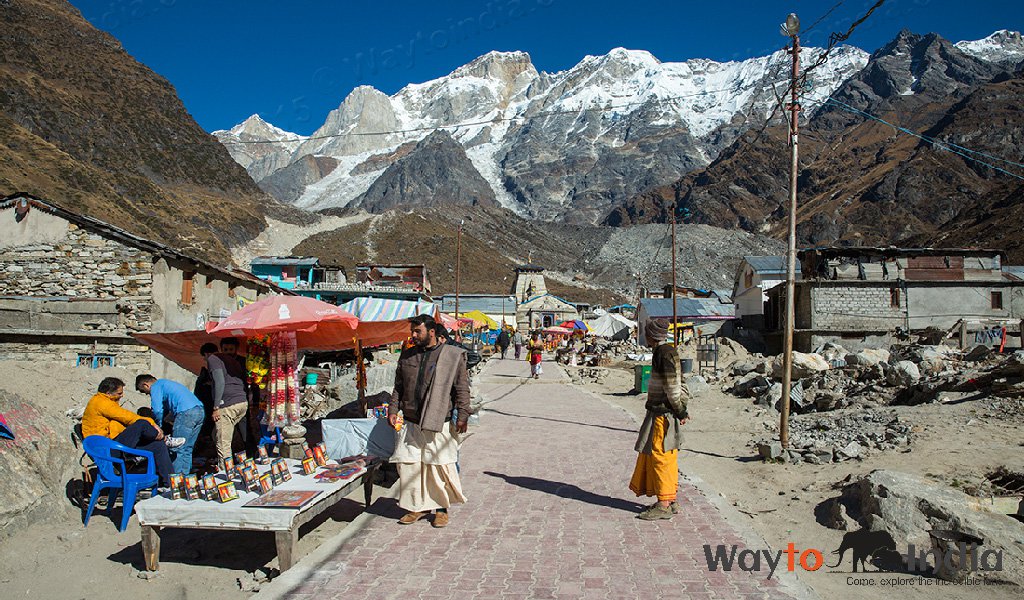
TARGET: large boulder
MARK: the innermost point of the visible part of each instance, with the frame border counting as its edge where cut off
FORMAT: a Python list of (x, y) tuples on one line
[(697, 385), (903, 374), (750, 384), (909, 507), (831, 351), (36, 466), (804, 365), (868, 357)]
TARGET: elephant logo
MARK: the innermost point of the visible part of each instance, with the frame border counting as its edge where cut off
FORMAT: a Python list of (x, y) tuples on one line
[(878, 546)]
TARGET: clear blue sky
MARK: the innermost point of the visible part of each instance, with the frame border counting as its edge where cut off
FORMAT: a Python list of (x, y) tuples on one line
[(293, 61)]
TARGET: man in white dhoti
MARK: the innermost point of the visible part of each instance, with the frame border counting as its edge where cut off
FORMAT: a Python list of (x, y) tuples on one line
[(430, 382)]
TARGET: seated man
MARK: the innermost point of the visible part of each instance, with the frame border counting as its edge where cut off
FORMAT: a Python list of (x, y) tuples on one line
[(104, 416), (170, 398)]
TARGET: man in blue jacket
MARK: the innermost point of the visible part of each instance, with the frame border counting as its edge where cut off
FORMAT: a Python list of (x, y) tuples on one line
[(170, 398)]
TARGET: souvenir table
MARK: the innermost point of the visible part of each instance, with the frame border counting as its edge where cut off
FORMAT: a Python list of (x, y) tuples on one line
[(163, 511)]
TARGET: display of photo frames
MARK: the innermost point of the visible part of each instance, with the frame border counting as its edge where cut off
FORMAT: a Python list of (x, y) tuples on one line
[(250, 479), (210, 486), (177, 486), (227, 492), (228, 464), (266, 483), (261, 455), (191, 487), (308, 466), (275, 472), (319, 456)]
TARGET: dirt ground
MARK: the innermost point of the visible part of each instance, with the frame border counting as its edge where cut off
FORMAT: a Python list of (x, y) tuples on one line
[(954, 443), (62, 559)]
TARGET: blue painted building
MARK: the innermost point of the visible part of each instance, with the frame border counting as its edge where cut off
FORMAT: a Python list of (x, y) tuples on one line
[(288, 272)]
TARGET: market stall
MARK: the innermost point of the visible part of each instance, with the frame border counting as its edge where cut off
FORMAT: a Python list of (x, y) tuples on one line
[(281, 510)]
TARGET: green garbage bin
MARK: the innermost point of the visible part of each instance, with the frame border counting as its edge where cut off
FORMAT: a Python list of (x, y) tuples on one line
[(641, 377)]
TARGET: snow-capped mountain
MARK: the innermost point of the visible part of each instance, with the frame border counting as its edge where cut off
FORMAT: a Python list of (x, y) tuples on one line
[(259, 146), (565, 145), (1003, 47)]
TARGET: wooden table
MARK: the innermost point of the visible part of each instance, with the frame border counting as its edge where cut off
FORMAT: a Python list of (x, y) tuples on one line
[(286, 534)]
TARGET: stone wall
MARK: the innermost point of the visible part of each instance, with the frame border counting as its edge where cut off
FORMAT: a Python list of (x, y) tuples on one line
[(856, 307), (81, 265), (129, 356)]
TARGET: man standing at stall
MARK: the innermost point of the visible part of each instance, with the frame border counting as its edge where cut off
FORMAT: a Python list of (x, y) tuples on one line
[(430, 382), (171, 399), (230, 397), (657, 471)]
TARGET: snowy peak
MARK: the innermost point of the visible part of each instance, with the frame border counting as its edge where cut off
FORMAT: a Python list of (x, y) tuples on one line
[(527, 132), (255, 128), (1004, 47), (501, 66)]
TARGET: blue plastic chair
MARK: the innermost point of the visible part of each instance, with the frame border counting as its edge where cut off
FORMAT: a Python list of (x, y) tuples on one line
[(100, 448)]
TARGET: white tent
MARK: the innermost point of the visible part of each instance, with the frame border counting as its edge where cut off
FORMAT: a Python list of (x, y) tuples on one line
[(611, 326)]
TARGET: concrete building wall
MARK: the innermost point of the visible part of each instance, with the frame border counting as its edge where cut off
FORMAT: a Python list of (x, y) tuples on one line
[(943, 306)]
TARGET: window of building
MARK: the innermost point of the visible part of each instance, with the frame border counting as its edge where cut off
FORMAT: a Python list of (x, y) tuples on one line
[(894, 297), (187, 279), (997, 300), (231, 291), (94, 361), (748, 279)]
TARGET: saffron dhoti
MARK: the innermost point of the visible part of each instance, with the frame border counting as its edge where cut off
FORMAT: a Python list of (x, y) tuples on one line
[(657, 473)]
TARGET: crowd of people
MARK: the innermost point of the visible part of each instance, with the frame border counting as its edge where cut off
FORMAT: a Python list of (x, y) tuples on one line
[(221, 407), (431, 391)]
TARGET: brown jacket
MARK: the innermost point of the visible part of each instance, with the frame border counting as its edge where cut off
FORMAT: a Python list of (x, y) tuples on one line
[(446, 385)]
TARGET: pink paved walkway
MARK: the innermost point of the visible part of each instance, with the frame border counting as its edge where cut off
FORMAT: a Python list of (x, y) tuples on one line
[(549, 516)]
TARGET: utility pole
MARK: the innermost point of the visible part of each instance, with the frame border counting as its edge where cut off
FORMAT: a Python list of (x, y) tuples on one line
[(458, 266), (790, 28), (675, 328)]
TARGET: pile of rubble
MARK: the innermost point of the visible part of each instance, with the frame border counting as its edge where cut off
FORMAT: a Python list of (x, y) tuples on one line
[(905, 374), (620, 348), (822, 439)]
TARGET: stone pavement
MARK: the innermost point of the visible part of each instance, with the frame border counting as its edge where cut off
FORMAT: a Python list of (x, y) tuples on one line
[(549, 516)]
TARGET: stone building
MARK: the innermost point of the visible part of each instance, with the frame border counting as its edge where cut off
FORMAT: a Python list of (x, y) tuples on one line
[(867, 297), (535, 307), (73, 289)]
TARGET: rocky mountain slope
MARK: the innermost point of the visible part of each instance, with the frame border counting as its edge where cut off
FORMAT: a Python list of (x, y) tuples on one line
[(585, 262), (84, 125), (436, 172), (862, 181), (566, 145)]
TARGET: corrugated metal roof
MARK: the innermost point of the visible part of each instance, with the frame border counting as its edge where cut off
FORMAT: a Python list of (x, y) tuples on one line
[(1016, 271), (723, 294), (301, 261), (488, 304), (688, 308), (769, 264), (893, 251)]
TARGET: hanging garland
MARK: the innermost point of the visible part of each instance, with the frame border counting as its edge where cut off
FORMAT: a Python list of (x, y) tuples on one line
[(283, 392)]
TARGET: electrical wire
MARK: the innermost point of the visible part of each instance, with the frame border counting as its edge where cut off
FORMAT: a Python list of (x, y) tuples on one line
[(954, 148)]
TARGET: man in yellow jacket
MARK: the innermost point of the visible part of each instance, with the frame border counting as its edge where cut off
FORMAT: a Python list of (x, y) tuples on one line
[(105, 416)]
